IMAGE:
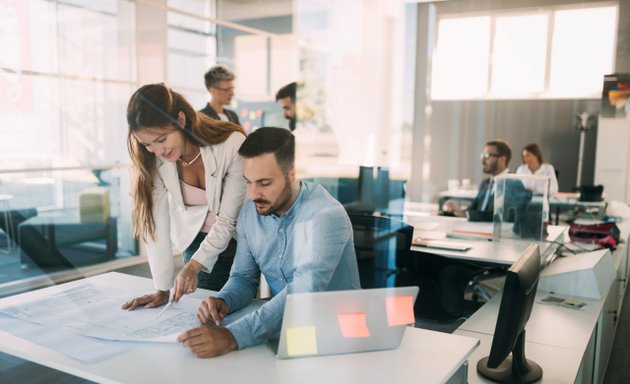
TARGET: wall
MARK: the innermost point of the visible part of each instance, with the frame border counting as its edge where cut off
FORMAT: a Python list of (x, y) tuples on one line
[(458, 129)]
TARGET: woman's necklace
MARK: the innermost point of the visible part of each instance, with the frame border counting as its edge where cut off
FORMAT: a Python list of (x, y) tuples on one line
[(187, 163)]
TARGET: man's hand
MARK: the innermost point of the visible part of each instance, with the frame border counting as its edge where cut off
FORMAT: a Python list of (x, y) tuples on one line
[(151, 300), (212, 311), (208, 341), (186, 280), (452, 207)]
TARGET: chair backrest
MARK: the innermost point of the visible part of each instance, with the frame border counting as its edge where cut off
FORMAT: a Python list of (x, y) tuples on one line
[(382, 246), (372, 191), (344, 189)]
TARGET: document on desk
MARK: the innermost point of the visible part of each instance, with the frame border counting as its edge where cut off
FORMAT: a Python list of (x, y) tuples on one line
[(472, 231), (85, 321), (95, 311), (84, 348)]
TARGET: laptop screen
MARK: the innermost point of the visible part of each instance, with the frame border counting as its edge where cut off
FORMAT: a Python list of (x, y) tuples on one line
[(324, 323)]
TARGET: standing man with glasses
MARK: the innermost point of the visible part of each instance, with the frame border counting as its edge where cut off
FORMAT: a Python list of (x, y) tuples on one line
[(220, 83)]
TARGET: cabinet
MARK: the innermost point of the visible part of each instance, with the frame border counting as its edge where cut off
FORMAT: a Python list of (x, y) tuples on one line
[(612, 168), (606, 326)]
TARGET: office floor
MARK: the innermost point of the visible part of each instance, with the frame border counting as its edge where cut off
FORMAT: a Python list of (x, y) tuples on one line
[(16, 370)]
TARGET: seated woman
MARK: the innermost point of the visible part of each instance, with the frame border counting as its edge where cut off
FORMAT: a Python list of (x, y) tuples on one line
[(533, 164)]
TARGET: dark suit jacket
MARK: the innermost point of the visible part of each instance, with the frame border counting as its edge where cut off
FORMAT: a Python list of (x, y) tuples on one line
[(516, 200), (481, 195), (233, 117)]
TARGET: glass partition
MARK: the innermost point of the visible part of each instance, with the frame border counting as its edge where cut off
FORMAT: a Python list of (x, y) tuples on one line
[(521, 207), (56, 221), (354, 122)]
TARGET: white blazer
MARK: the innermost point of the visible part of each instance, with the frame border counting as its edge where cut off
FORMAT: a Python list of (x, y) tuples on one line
[(225, 192)]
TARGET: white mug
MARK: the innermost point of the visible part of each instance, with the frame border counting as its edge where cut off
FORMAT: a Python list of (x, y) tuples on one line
[(453, 185)]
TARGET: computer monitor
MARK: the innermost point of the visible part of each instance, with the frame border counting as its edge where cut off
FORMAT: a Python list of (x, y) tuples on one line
[(519, 293)]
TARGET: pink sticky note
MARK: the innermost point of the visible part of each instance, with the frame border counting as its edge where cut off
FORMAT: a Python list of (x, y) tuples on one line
[(399, 310), (353, 325)]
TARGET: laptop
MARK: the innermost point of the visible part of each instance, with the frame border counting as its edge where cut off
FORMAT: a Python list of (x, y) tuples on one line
[(336, 322)]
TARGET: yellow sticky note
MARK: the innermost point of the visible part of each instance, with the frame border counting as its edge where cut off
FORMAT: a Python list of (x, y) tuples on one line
[(399, 310), (353, 325), (301, 341)]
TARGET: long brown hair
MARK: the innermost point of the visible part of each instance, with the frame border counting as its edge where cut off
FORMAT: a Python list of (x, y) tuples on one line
[(155, 105), (535, 150)]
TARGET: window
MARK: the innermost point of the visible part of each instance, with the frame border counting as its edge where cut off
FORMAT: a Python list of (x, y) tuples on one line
[(537, 54)]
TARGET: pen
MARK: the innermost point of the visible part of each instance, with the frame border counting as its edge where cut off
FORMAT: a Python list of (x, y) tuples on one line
[(164, 309)]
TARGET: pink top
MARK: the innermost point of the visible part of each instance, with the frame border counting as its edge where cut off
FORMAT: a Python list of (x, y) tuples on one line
[(197, 196)]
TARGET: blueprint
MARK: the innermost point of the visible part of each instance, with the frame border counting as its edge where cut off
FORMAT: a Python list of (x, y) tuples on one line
[(95, 311), (85, 321)]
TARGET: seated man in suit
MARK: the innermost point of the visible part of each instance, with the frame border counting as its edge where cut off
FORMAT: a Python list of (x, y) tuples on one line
[(495, 158)]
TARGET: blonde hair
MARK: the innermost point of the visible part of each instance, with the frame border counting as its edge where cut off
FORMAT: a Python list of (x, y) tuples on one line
[(155, 105)]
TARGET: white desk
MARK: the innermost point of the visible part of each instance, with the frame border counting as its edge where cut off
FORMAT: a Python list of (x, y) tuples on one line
[(559, 365), (430, 357), (558, 201), (504, 252), (548, 324), (571, 346)]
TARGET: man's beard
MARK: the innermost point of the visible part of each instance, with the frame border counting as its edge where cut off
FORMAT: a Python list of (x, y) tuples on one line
[(292, 123), (283, 200), (491, 169)]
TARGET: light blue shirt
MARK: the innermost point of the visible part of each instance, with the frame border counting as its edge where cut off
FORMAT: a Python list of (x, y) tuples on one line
[(309, 248)]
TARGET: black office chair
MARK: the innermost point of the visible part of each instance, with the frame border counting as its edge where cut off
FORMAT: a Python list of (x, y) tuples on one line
[(372, 191), (450, 290), (382, 246)]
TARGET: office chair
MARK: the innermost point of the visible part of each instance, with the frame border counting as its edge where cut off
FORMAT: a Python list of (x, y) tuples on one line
[(382, 246), (372, 191), (450, 290)]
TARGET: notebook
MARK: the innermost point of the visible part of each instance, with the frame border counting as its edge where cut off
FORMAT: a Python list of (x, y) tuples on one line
[(442, 244), (336, 322)]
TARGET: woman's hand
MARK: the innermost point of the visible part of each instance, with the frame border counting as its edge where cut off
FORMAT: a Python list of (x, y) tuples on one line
[(186, 280), (151, 300)]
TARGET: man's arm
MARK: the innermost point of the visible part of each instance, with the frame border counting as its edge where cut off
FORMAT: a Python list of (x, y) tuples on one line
[(244, 279), (325, 236)]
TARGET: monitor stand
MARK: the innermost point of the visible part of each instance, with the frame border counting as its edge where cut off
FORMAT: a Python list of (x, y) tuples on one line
[(514, 369)]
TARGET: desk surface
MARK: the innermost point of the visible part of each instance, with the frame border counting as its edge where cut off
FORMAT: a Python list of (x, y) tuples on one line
[(504, 252), (436, 355), (559, 199), (549, 324), (559, 365), (556, 338)]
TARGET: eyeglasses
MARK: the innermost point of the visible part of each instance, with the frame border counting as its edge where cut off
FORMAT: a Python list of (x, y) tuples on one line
[(486, 155), (225, 89)]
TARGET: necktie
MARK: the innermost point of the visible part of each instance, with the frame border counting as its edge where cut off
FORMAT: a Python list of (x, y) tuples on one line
[(488, 196)]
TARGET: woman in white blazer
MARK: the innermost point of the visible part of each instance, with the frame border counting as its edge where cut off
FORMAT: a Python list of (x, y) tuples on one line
[(188, 186), (533, 164)]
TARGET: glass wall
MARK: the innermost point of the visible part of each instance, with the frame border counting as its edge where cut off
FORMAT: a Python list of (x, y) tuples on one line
[(67, 70), (354, 127), (66, 74), (511, 70), (260, 51)]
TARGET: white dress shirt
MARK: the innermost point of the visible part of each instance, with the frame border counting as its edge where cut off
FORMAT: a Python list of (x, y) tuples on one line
[(544, 170)]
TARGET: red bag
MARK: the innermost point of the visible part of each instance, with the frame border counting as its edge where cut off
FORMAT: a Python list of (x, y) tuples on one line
[(604, 234)]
